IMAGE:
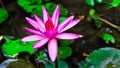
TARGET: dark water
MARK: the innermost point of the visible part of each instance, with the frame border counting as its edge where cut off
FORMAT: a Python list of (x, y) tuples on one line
[(15, 24)]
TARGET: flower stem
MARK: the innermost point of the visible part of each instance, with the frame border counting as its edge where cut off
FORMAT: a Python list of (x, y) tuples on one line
[(2, 4), (56, 63), (109, 23)]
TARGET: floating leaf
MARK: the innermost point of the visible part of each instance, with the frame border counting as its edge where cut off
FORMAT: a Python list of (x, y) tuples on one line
[(95, 17), (61, 64), (86, 65), (66, 42), (62, 9), (99, 1), (115, 3), (92, 12), (50, 64), (13, 47), (35, 7), (3, 15), (90, 2), (64, 52), (51, 6), (103, 58), (108, 38)]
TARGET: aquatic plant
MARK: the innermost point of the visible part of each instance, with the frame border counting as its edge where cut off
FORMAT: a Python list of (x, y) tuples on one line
[(34, 7), (102, 58), (108, 38), (47, 30), (61, 64), (3, 15), (12, 48), (114, 3), (92, 2)]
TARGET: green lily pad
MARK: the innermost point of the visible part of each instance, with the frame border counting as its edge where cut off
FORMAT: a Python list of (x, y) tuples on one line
[(35, 7), (90, 2), (3, 15), (66, 42), (103, 58), (99, 1), (86, 65), (64, 52), (12, 47), (115, 3), (61, 64)]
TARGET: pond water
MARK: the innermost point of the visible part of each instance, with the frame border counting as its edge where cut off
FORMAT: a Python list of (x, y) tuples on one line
[(14, 26)]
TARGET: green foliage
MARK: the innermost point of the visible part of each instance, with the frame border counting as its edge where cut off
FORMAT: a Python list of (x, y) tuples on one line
[(102, 58), (3, 15), (99, 1), (30, 5), (107, 38), (61, 19), (66, 42), (51, 6), (94, 16), (61, 64), (64, 52), (112, 4), (92, 12), (86, 65), (35, 7), (13, 47), (42, 55), (92, 2), (115, 3)]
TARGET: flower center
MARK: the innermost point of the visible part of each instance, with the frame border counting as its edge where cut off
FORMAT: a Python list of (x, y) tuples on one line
[(49, 25), (50, 31)]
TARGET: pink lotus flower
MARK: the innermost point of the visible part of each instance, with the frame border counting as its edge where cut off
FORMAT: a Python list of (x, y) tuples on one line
[(48, 30)]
